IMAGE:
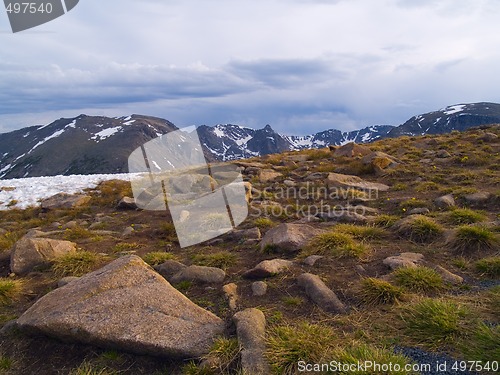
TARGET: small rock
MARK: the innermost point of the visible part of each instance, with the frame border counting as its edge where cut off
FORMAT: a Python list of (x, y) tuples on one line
[(259, 288), (351, 150), (289, 183), (478, 198), (169, 268), (315, 176), (403, 260), (268, 268), (200, 274), (231, 292), (70, 225), (289, 237), (419, 211), (128, 231), (360, 269), (64, 200), (251, 331), (323, 296), (445, 201), (126, 203), (448, 276), (246, 234), (66, 280), (268, 175), (312, 259), (28, 253), (443, 154)]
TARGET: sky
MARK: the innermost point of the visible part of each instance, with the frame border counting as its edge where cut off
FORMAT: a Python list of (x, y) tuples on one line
[(301, 66)]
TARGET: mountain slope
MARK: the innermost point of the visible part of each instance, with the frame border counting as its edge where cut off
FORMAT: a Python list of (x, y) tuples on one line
[(82, 145), (89, 144)]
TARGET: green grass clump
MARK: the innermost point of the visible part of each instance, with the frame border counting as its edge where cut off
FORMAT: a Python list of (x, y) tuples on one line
[(287, 345), (375, 292), (222, 259), (413, 203), (263, 223), (418, 279), (336, 244), (469, 239), (125, 246), (489, 266), (10, 290), (88, 368), (483, 343), (385, 221), (6, 363), (419, 228), (7, 240), (462, 216), (292, 301), (435, 323), (155, 258), (77, 233), (361, 232), (76, 264)]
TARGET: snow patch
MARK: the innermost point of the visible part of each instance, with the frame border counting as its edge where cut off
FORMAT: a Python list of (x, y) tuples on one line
[(454, 109), (103, 134)]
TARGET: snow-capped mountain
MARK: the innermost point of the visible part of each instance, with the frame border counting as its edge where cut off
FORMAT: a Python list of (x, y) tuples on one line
[(80, 145), (93, 145), (455, 117)]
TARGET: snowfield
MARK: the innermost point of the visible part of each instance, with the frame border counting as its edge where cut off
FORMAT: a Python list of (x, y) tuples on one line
[(29, 191)]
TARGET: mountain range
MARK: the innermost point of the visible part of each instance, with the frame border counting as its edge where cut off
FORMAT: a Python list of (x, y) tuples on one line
[(96, 144)]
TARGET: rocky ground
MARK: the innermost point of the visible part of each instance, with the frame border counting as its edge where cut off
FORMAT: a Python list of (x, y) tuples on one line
[(387, 252)]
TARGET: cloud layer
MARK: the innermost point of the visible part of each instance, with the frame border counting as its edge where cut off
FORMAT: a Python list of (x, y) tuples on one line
[(298, 65)]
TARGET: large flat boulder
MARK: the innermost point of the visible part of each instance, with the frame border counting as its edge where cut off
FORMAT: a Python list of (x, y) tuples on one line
[(30, 252), (127, 306), (348, 181), (64, 200), (289, 237)]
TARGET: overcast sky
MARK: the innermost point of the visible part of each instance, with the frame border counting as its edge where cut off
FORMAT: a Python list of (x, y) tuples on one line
[(299, 65)]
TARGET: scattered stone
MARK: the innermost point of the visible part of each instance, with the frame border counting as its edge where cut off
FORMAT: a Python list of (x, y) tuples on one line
[(251, 331), (66, 280), (200, 274), (308, 219), (128, 231), (169, 268), (126, 203), (403, 260), (448, 276), (70, 225), (290, 183), (268, 175), (245, 234), (360, 269), (268, 268), (289, 237), (315, 176), (446, 201), (443, 154), (488, 137), (379, 161), (30, 252), (419, 211), (64, 200), (312, 259), (477, 198), (259, 288), (351, 150), (323, 296), (231, 292), (349, 181), (107, 308)]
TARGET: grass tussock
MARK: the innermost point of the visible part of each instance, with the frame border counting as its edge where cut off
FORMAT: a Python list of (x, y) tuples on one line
[(418, 228), (435, 323), (469, 239), (461, 216), (77, 233), (7, 240), (264, 223), (375, 292), (155, 258), (88, 368), (418, 279), (109, 193), (385, 221), (336, 244), (76, 264), (489, 266), (222, 259), (10, 291)]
